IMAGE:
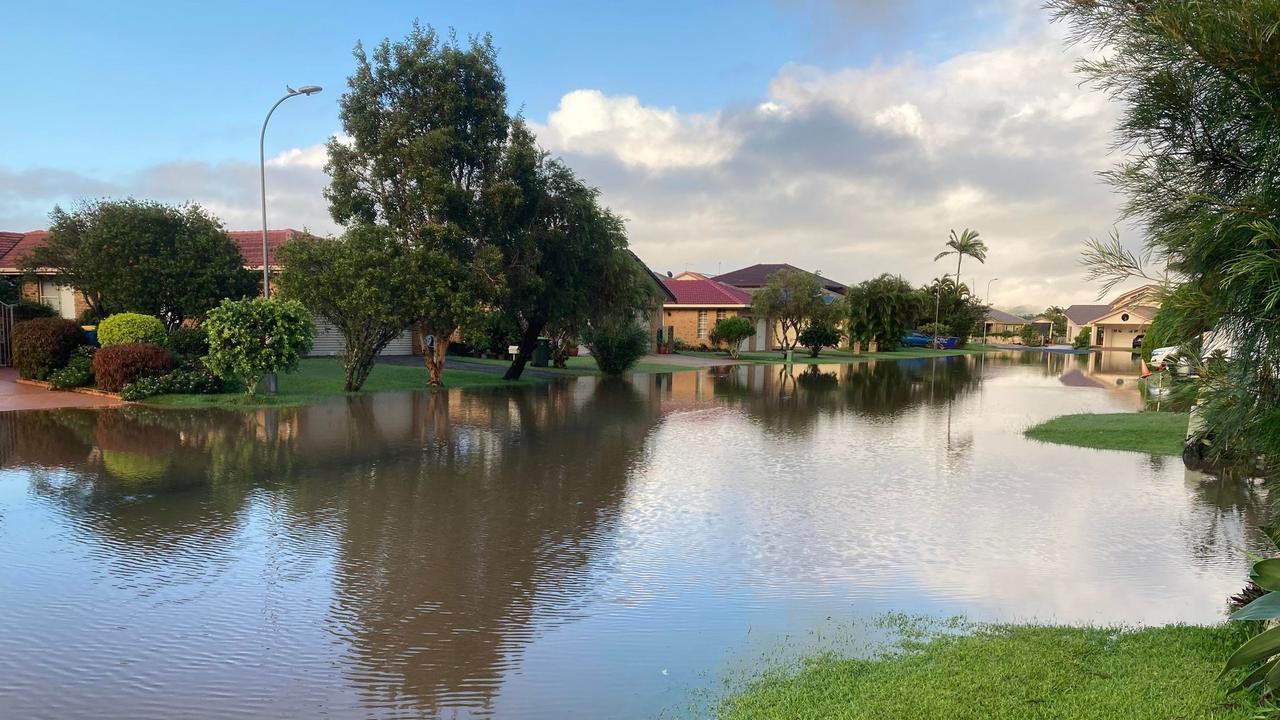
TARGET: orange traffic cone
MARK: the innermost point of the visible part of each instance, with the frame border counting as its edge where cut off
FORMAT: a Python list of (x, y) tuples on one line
[(1146, 371)]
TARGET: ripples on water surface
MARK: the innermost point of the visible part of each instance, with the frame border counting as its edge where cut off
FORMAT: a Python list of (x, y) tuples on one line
[(586, 549)]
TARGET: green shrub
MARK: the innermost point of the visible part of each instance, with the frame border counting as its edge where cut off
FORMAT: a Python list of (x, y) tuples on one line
[(1083, 340), (250, 338), (43, 345), (27, 310), (617, 345), (188, 344), (124, 328), (732, 331), (1030, 337), (116, 366), (817, 335), (78, 371), (182, 382)]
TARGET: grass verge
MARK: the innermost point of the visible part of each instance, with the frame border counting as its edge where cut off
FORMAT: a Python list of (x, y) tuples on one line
[(1015, 672), (1158, 433), (575, 366), (319, 378)]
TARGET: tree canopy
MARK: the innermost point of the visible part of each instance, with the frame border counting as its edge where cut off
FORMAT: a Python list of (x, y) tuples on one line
[(789, 299), (882, 309), (426, 120), (174, 262)]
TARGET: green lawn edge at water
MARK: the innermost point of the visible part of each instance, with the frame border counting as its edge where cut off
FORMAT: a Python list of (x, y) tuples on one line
[(831, 356), (320, 378), (1014, 672), (1158, 433)]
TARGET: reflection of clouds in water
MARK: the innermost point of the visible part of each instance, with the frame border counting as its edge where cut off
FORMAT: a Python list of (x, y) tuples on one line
[(947, 505)]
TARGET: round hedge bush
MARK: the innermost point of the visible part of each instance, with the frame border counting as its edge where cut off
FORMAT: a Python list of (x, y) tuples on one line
[(124, 328), (115, 366), (43, 345)]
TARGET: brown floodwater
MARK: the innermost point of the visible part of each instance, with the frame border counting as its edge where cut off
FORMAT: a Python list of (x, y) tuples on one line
[(584, 549)]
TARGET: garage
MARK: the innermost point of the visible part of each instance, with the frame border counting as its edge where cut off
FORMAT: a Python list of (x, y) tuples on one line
[(328, 341)]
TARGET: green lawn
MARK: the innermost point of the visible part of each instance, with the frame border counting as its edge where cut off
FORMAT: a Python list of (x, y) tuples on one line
[(1015, 673), (1158, 433), (828, 355), (318, 378)]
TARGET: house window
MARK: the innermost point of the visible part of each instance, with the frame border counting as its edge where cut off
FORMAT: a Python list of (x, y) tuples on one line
[(720, 315), (702, 324)]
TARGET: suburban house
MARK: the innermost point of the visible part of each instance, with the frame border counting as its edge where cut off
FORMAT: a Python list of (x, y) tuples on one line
[(69, 304), (998, 322), (1121, 323), (754, 277), (698, 304)]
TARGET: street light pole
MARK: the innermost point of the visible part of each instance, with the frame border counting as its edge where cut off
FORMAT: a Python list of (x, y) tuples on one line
[(270, 380), (937, 306), (987, 297)]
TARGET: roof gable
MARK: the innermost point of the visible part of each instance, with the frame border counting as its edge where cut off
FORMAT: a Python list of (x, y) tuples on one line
[(757, 275), (1000, 316), (1085, 314), (1137, 315)]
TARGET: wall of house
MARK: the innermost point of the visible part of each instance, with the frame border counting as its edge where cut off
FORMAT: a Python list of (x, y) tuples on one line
[(684, 322), (66, 301)]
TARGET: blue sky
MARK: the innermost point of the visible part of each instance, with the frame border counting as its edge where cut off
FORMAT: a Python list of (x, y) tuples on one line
[(116, 86), (847, 136)]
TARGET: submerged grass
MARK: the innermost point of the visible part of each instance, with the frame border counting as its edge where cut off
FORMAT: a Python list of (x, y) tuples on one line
[(1158, 433), (1009, 672)]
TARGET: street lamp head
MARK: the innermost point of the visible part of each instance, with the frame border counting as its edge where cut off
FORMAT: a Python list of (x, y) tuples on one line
[(308, 90)]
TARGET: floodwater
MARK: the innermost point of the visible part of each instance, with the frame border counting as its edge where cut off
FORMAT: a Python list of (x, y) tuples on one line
[(585, 549)]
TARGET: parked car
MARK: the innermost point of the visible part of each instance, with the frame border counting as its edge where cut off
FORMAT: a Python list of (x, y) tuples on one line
[(916, 339), (948, 342)]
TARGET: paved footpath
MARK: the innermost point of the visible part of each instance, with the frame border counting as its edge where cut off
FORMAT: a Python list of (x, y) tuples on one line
[(16, 396)]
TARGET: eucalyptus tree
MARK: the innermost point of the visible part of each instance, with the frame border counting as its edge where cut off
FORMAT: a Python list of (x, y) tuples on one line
[(425, 121), (966, 244), (789, 299)]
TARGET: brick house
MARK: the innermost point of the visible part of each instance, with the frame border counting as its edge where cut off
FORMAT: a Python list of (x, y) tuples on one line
[(698, 304)]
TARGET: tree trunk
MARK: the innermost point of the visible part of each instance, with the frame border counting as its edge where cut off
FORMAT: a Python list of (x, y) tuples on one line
[(528, 341), (357, 366), (434, 356), (959, 258)]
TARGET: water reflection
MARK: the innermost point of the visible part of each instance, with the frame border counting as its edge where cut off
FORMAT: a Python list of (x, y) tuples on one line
[(561, 549)]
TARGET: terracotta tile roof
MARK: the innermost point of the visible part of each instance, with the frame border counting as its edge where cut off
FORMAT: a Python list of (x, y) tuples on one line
[(757, 275), (14, 245), (1085, 314), (706, 292)]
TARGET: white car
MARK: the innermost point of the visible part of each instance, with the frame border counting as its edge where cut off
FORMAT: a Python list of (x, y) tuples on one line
[(1159, 354)]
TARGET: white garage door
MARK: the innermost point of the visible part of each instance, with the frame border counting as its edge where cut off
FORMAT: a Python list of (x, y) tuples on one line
[(328, 341)]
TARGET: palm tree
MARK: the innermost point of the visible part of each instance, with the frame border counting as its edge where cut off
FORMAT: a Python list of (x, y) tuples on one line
[(966, 244)]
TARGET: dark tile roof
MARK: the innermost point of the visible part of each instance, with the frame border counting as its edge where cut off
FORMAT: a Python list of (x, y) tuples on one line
[(1084, 314), (757, 275), (706, 292), (1000, 316)]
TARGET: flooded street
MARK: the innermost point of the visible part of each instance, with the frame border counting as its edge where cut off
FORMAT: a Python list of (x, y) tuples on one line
[(582, 549)]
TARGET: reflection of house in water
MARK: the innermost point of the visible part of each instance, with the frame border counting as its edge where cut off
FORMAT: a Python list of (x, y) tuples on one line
[(1112, 371)]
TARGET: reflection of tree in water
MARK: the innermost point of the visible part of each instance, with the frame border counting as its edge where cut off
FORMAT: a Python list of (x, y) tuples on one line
[(1228, 506), (445, 557)]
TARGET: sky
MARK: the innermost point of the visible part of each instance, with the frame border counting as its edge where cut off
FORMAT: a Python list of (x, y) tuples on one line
[(846, 137)]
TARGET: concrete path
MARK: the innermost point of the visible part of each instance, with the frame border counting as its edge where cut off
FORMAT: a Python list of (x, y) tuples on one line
[(16, 396)]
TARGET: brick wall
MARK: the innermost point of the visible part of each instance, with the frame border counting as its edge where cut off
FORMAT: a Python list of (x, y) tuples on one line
[(685, 322)]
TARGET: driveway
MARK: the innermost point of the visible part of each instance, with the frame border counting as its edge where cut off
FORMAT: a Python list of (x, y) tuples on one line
[(15, 396)]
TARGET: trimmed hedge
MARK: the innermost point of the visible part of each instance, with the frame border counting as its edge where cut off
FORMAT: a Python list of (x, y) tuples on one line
[(123, 328), (182, 382), (43, 345), (116, 366)]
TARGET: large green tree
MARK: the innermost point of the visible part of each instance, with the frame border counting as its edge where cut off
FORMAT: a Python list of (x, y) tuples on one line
[(174, 262), (1199, 87), (882, 309), (425, 121), (358, 283), (564, 257), (789, 299)]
